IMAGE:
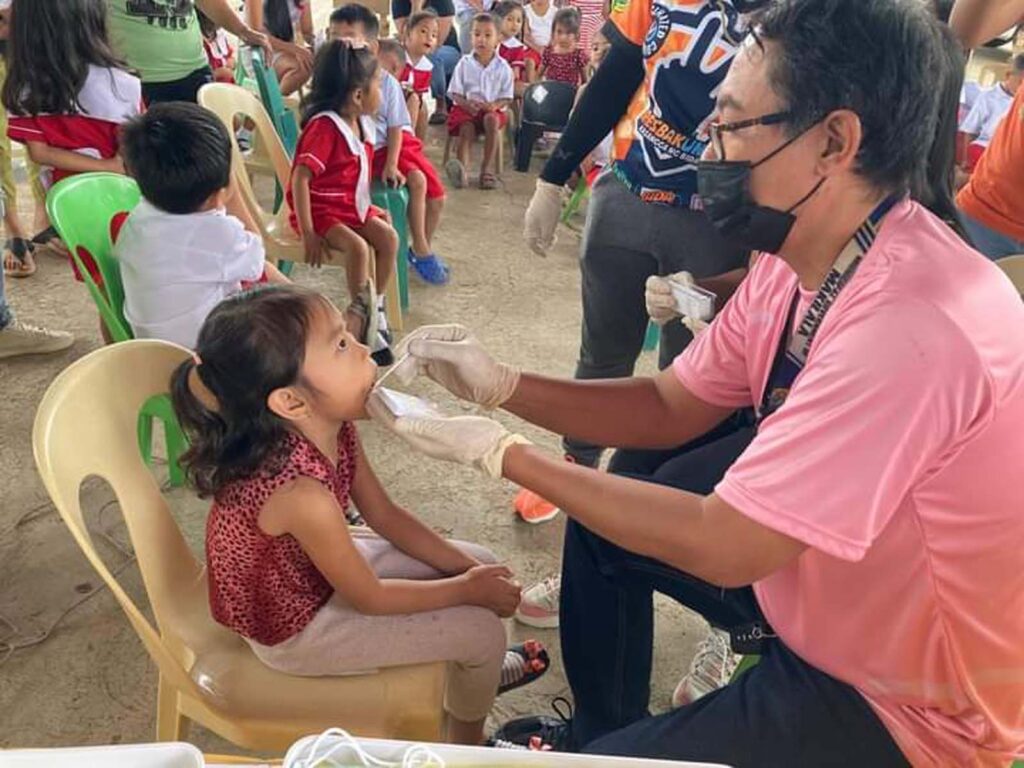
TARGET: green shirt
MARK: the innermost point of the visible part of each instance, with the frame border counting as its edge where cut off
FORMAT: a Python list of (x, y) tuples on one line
[(159, 38)]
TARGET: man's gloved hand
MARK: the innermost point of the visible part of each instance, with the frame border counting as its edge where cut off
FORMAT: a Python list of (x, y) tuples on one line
[(475, 441), (661, 304), (542, 217), (451, 356)]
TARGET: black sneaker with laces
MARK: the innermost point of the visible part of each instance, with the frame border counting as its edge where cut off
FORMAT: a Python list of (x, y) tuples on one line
[(539, 732)]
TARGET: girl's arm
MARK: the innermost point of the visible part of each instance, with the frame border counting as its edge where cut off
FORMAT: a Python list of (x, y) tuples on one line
[(400, 527), (66, 160), (391, 159), (309, 512)]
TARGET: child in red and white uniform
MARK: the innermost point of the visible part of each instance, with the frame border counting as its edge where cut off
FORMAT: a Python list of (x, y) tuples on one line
[(219, 52), (482, 87), (420, 39), (398, 158), (329, 195), (67, 127), (563, 60), (512, 49)]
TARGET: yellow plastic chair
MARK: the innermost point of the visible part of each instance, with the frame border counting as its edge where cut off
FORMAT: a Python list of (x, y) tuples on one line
[(85, 427), (282, 244), (1013, 266)]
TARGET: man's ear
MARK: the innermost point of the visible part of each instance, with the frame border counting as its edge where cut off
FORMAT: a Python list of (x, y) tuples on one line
[(288, 403), (843, 136)]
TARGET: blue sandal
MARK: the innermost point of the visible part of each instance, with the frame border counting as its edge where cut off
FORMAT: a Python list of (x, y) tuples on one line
[(430, 268)]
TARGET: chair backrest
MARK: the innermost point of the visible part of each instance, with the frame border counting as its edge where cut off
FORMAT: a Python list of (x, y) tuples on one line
[(280, 115), (549, 104), (229, 102), (81, 209), (1013, 266), (85, 427)]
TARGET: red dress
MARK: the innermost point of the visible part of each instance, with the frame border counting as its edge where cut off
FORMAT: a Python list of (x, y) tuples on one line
[(514, 52), (416, 77), (265, 587), (340, 162), (565, 67)]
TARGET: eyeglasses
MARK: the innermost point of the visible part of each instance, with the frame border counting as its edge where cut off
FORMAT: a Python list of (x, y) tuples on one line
[(717, 129)]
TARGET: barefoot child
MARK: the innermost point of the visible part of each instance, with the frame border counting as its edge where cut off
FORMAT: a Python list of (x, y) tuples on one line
[(418, 70), (481, 88), (330, 187), (269, 403)]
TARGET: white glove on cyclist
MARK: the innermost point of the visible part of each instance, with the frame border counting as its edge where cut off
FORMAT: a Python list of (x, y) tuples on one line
[(475, 441), (542, 217), (451, 356)]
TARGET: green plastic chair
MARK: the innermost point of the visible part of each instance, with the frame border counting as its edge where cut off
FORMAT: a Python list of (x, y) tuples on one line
[(273, 101), (81, 209)]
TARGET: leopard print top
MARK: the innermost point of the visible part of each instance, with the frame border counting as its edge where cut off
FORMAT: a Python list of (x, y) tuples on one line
[(265, 587)]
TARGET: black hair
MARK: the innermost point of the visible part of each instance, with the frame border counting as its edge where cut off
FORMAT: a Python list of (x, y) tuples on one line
[(879, 59), (207, 26), (251, 344), (421, 17), (503, 8), (354, 13), (1017, 63), (568, 19), (484, 18), (338, 70), (391, 46), (52, 45), (277, 19), (179, 153)]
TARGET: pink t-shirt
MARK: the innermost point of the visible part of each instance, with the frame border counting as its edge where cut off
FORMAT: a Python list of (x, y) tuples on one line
[(898, 458)]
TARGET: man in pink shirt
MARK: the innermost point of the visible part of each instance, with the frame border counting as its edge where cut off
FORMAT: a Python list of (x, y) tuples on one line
[(869, 542)]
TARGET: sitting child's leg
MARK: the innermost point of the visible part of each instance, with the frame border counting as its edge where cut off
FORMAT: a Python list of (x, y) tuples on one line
[(412, 101), (467, 136), (417, 184), (357, 268), (340, 640), (492, 135), (383, 238)]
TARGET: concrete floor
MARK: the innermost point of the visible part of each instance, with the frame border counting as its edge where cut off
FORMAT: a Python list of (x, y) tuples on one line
[(91, 681)]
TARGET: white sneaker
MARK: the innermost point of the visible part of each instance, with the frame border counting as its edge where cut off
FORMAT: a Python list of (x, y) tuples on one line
[(539, 606), (711, 668), (20, 339)]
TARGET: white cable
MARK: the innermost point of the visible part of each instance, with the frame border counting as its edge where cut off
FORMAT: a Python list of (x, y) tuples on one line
[(417, 756)]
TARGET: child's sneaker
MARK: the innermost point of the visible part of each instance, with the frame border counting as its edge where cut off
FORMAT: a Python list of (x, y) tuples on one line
[(712, 667), (539, 606), (430, 268)]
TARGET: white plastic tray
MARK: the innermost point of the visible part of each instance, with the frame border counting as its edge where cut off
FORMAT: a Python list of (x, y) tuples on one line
[(170, 755)]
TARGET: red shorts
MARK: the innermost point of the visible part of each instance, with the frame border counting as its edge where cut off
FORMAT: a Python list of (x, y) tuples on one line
[(327, 216), (411, 158), (458, 117), (533, 56), (974, 153)]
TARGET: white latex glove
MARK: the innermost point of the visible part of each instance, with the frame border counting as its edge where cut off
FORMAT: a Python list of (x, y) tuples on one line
[(661, 304), (696, 326), (451, 356), (542, 217), (475, 441)]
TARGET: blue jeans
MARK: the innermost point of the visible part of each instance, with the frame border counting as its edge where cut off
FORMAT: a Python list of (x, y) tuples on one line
[(990, 242), (783, 712), (444, 60)]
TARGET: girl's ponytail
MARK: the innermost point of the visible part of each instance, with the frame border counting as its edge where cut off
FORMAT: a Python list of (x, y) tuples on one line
[(205, 428), (340, 68)]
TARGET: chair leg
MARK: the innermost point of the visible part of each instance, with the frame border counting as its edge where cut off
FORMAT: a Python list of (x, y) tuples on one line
[(171, 725), (400, 216), (528, 135)]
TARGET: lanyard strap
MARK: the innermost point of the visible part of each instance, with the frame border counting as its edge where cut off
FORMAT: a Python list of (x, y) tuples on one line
[(795, 343)]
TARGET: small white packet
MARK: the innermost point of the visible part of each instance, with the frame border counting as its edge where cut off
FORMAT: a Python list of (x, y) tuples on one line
[(693, 301), (408, 406)]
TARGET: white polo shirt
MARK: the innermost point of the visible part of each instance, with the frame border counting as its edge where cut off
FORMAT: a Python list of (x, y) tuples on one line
[(393, 112), (987, 112), (177, 268), (472, 80)]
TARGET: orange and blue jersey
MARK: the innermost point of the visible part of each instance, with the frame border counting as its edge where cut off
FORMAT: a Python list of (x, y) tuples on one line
[(687, 47)]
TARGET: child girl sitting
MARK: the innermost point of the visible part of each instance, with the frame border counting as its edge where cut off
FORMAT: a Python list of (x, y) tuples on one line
[(66, 92), (512, 49), (219, 52), (563, 60), (418, 70), (330, 188), (268, 403)]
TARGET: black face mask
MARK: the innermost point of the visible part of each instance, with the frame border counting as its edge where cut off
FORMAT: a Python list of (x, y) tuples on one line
[(747, 6), (724, 190)]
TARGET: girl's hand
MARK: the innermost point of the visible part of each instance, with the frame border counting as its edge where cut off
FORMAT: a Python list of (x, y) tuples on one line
[(391, 176), (314, 248), (492, 587)]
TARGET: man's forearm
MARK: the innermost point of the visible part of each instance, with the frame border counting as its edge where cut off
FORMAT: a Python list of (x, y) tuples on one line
[(976, 21), (617, 413)]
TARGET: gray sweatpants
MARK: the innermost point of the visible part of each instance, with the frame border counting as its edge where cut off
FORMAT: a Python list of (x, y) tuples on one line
[(626, 241), (340, 640)]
